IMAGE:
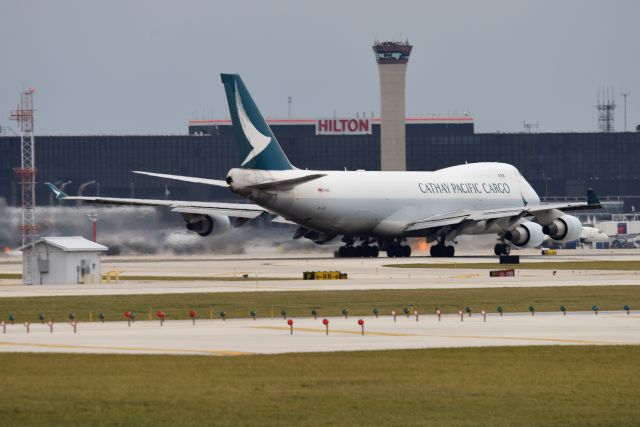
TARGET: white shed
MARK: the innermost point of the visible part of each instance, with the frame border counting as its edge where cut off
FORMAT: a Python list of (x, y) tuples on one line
[(64, 260)]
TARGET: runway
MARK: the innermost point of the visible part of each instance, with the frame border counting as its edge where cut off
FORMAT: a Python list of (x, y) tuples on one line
[(272, 336), (363, 274)]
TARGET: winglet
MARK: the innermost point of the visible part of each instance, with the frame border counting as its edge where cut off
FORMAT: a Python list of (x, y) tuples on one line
[(592, 199), (58, 192)]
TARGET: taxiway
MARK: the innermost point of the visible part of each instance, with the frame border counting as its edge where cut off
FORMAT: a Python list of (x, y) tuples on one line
[(270, 336)]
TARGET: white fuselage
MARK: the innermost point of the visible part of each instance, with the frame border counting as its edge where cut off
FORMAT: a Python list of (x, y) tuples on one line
[(381, 204)]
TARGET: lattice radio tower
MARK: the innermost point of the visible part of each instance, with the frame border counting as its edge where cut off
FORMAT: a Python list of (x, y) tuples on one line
[(27, 174), (606, 108)]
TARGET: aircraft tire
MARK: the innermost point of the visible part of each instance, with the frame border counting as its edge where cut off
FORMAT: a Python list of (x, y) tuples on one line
[(342, 252), (434, 251), (450, 251), (375, 251), (502, 249), (406, 251)]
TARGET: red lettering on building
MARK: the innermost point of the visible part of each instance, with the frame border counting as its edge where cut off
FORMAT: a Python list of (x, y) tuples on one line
[(343, 127)]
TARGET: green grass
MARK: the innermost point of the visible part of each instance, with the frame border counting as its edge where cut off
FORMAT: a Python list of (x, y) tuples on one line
[(507, 386), (547, 265), (328, 303)]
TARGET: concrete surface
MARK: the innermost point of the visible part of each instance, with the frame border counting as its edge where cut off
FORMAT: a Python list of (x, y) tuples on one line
[(246, 336), (363, 274)]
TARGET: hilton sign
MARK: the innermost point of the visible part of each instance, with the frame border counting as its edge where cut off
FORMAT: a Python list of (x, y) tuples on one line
[(343, 127)]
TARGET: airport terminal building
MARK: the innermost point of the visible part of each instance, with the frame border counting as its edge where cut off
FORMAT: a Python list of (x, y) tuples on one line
[(556, 164)]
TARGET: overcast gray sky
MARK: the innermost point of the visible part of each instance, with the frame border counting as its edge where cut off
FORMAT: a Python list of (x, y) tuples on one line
[(123, 66)]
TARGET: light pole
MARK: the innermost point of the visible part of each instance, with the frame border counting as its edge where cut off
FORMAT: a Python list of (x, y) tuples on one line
[(625, 94), (93, 216), (81, 188)]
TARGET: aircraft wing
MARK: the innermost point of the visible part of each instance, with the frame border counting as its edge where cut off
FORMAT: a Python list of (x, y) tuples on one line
[(207, 181), (239, 210), (454, 218)]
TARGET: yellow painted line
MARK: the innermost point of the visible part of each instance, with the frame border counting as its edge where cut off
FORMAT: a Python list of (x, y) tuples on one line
[(146, 349), (340, 331), (538, 339), (465, 276)]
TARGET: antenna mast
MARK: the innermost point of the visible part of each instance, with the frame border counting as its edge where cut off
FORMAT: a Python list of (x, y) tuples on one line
[(27, 174), (606, 107)]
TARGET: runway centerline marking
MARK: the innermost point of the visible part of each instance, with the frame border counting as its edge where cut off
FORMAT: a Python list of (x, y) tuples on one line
[(341, 331)]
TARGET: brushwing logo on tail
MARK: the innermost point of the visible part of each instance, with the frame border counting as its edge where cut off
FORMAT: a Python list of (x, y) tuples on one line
[(257, 140)]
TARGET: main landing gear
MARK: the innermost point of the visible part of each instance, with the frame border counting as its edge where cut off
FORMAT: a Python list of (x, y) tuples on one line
[(359, 251), (441, 250), (502, 249), (398, 250), (364, 250)]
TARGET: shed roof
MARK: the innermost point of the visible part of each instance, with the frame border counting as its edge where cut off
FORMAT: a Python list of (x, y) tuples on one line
[(70, 244)]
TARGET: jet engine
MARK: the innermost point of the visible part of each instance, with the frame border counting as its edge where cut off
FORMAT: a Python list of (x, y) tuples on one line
[(564, 229), (526, 235), (205, 225)]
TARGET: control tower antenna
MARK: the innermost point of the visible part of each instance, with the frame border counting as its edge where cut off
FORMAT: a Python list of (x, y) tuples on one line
[(27, 174), (606, 108), (529, 127), (392, 58)]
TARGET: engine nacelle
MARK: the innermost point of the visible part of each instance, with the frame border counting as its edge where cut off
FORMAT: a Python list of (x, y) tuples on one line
[(526, 235), (205, 225), (564, 229)]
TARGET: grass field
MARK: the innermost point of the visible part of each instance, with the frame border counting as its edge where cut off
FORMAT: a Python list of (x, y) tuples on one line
[(508, 386), (328, 303), (547, 265)]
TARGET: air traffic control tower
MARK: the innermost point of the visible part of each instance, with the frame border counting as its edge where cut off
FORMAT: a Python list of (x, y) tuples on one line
[(392, 58)]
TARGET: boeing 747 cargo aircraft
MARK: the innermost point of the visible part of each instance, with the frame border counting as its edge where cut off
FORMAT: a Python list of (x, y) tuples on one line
[(369, 210)]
